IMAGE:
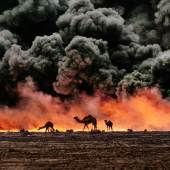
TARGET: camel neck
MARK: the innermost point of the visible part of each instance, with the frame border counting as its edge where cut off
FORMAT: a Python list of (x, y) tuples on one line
[(78, 120)]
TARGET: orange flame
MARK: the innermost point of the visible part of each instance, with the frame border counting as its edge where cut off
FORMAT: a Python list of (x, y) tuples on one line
[(145, 110)]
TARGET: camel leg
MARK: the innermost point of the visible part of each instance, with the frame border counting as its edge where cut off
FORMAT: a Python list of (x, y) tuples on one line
[(47, 129), (84, 127), (95, 127), (52, 129)]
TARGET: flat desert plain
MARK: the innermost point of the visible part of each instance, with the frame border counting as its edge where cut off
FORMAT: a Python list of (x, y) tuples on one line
[(85, 151)]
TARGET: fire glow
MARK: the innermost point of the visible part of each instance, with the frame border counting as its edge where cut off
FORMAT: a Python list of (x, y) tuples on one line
[(145, 110)]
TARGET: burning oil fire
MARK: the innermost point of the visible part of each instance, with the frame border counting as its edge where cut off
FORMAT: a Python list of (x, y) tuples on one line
[(145, 110)]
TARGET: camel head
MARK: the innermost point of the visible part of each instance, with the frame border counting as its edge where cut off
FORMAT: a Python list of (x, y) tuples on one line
[(77, 119), (105, 121)]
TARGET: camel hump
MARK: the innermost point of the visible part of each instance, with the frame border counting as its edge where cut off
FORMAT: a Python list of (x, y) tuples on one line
[(49, 123), (90, 116), (110, 122)]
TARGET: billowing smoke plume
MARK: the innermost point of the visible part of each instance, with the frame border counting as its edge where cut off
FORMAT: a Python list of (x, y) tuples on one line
[(6, 41), (82, 19), (33, 17), (161, 71), (40, 61), (86, 62), (34, 11), (70, 47), (162, 15), (162, 18), (130, 56)]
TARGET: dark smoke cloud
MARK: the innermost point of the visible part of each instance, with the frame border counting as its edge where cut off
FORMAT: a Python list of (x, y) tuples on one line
[(75, 8), (43, 55), (86, 61), (74, 46), (142, 74), (35, 11), (129, 57), (133, 81), (33, 17), (7, 4), (141, 77), (104, 23), (162, 19), (161, 72), (39, 62), (143, 24), (162, 15), (6, 40)]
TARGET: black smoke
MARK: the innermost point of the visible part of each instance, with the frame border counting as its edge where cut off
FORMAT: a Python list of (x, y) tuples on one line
[(74, 46)]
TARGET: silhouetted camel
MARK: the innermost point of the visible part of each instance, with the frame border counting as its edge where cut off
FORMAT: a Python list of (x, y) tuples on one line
[(130, 130), (87, 120), (48, 127), (109, 124)]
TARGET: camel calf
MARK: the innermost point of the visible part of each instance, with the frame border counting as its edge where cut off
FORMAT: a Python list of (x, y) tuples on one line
[(109, 125)]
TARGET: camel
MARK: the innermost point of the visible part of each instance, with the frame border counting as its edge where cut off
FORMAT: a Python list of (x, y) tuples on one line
[(130, 130), (48, 127), (109, 124), (89, 119)]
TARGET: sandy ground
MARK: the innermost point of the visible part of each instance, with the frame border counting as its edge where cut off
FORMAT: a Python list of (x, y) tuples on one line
[(73, 151)]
